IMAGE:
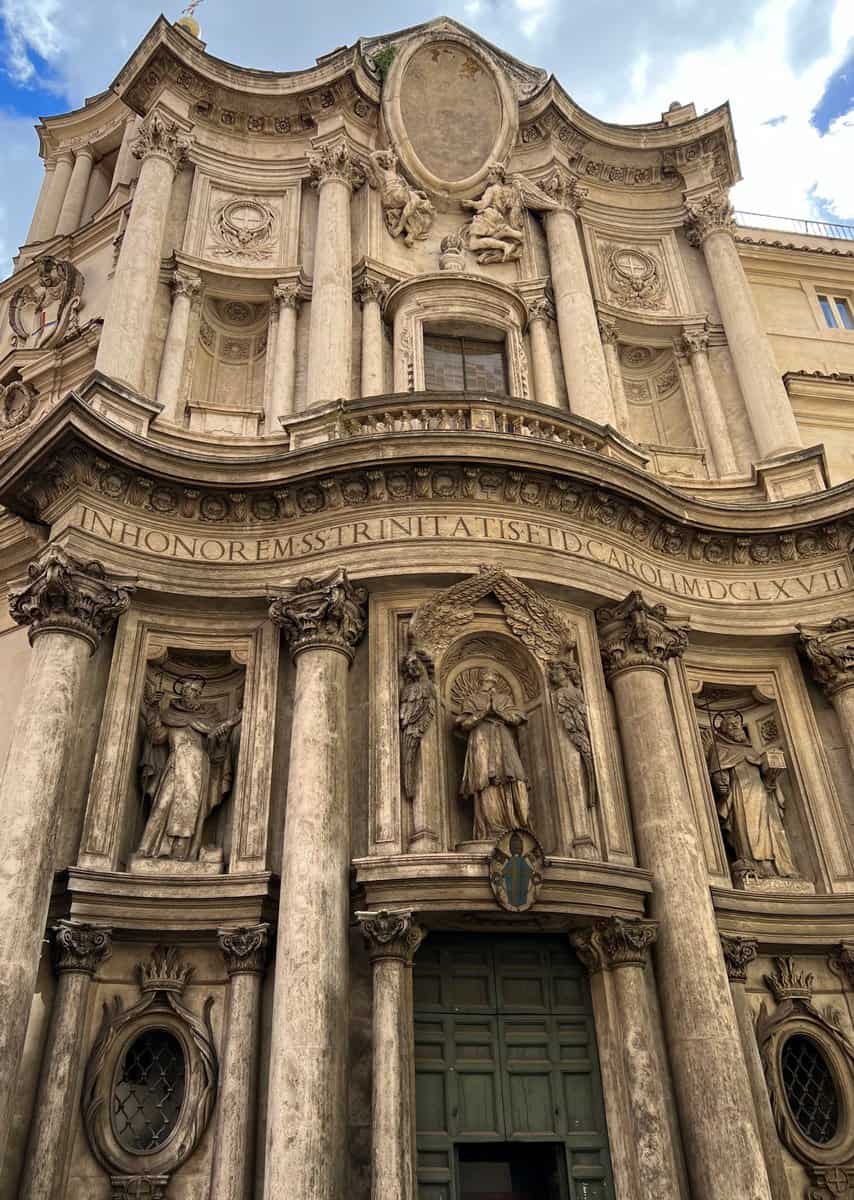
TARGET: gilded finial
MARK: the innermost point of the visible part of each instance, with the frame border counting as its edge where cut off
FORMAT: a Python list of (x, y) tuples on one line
[(188, 21)]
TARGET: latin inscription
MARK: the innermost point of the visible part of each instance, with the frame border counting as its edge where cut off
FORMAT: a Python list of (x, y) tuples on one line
[(293, 547)]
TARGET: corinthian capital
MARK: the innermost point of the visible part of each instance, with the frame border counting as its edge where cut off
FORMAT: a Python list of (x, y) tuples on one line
[(710, 214), (186, 283), (78, 947), (286, 294), (390, 934), (162, 137), (608, 331), (830, 652), (615, 942), (636, 634), (245, 949), (739, 953), (317, 613), (695, 341), (564, 189), (68, 596), (333, 160)]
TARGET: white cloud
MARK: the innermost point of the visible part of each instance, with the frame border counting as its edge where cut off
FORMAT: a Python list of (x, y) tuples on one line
[(21, 180), (31, 25), (533, 13)]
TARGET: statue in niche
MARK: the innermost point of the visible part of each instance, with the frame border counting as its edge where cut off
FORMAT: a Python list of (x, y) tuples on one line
[(493, 776), (496, 232), (750, 807), (186, 769), (571, 707), (407, 210), (417, 710)]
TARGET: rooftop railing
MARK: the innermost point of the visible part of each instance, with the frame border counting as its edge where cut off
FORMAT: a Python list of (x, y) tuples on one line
[(808, 228)]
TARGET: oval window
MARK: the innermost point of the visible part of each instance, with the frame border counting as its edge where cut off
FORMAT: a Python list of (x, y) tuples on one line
[(810, 1089), (150, 1091)]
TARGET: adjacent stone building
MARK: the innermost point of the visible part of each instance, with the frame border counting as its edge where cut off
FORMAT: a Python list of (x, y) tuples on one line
[(428, 677)]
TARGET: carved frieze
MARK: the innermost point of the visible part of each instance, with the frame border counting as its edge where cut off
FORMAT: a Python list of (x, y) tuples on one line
[(328, 613), (637, 634), (68, 596), (391, 934), (45, 313)]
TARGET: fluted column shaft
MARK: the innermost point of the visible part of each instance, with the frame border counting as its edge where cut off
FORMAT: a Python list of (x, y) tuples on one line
[(371, 294), (611, 349), (245, 954), (122, 349), (331, 328), (829, 650), (77, 951), (307, 1098), (540, 312), (710, 225), (56, 196), (695, 344), (185, 285), (712, 1089), (282, 388), (68, 606), (392, 938), (75, 196)]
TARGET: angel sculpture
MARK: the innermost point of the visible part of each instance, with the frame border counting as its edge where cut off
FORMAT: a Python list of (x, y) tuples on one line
[(565, 682), (408, 212), (417, 710), (496, 232)]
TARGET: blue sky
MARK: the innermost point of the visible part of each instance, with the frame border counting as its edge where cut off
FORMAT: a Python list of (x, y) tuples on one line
[(787, 66)]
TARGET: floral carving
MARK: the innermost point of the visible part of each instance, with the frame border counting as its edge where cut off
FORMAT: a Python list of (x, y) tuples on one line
[(245, 950), (738, 954), (159, 136), (68, 596), (615, 942), (44, 313), (186, 283), (79, 947), (407, 210), (829, 650), (245, 227), (334, 160), (390, 934), (636, 634), (328, 612), (710, 214)]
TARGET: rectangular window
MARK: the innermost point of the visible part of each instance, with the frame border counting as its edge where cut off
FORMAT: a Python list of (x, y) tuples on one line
[(836, 311), (827, 310), (454, 364), (843, 309)]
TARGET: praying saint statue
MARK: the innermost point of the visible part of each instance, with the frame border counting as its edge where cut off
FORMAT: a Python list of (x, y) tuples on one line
[(748, 802), (493, 775), (187, 768)]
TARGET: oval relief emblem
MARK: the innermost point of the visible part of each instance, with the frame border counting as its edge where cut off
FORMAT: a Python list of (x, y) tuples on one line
[(450, 112)]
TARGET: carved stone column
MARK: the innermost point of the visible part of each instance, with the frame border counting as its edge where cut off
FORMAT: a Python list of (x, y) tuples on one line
[(77, 951), (337, 174), (125, 170), (56, 196), (75, 195), (371, 293), (710, 226), (621, 946), (392, 938), (695, 343), (286, 298), (323, 620), (162, 147), (738, 954), (829, 650), (245, 953), (68, 606), (584, 367), (41, 226), (709, 1076), (540, 312), (611, 349), (185, 286)]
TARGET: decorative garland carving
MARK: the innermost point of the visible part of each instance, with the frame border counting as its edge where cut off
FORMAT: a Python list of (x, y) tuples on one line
[(244, 227), (634, 277), (163, 979), (17, 404)]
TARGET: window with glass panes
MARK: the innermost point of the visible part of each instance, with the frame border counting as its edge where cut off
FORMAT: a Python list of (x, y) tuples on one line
[(464, 364), (836, 311)]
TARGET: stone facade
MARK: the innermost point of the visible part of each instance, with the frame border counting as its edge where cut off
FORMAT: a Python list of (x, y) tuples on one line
[(428, 673)]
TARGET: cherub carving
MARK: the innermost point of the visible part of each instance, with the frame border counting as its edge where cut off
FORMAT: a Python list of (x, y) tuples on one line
[(417, 710), (407, 210)]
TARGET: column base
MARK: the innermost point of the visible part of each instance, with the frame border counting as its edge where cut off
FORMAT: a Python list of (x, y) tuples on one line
[(798, 473)]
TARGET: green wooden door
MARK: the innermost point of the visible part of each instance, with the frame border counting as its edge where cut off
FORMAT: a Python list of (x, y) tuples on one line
[(505, 1051)]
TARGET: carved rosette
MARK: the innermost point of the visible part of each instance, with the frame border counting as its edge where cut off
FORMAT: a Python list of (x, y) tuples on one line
[(335, 161), (830, 652), (328, 613), (245, 950), (161, 137), (65, 595), (615, 942), (186, 283), (739, 953), (286, 294), (636, 634), (78, 947), (391, 934), (712, 213)]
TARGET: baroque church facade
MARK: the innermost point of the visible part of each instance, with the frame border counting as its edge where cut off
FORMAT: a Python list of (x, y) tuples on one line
[(428, 672)]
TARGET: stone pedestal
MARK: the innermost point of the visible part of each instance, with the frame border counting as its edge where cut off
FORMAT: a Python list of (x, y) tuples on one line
[(540, 312), (75, 195), (712, 1089), (323, 620), (584, 369), (738, 954), (336, 174), (710, 226), (371, 293), (392, 938), (695, 343), (68, 607), (621, 947), (245, 953), (163, 148), (185, 285), (829, 649), (77, 950), (611, 349), (286, 298)]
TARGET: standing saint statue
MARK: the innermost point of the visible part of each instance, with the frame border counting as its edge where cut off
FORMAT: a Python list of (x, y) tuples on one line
[(493, 776), (749, 805), (186, 768), (417, 710)]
